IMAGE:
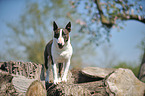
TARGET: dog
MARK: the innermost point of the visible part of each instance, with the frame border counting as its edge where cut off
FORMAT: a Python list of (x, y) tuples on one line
[(58, 52)]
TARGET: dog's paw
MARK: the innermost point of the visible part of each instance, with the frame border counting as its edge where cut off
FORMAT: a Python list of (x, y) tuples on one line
[(56, 81), (59, 80), (64, 80)]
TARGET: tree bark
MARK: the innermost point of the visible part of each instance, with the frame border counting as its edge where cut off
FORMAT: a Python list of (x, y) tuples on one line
[(141, 74)]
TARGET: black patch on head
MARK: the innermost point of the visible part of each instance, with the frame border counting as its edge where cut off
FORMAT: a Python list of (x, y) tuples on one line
[(56, 33), (65, 31), (68, 26), (65, 35), (55, 27)]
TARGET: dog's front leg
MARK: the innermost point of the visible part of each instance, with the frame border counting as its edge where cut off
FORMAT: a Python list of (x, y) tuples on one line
[(55, 73), (47, 76), (64, 79)]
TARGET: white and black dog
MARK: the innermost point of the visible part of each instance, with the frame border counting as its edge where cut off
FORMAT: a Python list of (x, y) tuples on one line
[(58, 52)]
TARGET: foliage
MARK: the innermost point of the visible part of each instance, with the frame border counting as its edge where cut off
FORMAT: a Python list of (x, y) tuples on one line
[(97, 17), (30, 32), (135, 70), (34, 30)]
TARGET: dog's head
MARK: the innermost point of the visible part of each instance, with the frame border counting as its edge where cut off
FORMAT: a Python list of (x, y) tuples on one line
[(61, 35)]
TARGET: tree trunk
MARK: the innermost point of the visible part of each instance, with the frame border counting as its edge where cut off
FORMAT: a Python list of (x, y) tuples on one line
[(141, 74)]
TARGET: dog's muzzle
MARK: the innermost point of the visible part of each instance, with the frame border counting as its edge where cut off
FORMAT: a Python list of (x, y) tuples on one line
[(60, 45)]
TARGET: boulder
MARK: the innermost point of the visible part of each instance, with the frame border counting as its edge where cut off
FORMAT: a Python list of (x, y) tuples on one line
[(123, 82), (64, 89), (80, 87), (6, 86), (90, 81), (28, 69), (21, 83), (97, 72)]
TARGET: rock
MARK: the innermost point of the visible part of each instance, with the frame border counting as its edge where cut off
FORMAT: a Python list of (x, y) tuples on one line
[(141, 75), (90, 81), (21, 83), (27, 69), (63, 89), (6, 86), (83, 89), (36, 89), (123, 82), (97, 72), (79, 77), (81, 86)]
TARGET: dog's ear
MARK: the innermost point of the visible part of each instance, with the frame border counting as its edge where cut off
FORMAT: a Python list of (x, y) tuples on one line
[(68, 26), (54, 26)]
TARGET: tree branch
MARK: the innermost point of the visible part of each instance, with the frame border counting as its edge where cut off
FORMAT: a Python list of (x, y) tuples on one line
[(111, 21), (108, 23), (131, 17)]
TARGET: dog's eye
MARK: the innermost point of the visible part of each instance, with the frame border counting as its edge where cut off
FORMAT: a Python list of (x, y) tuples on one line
[(64, 33), (56, 35)]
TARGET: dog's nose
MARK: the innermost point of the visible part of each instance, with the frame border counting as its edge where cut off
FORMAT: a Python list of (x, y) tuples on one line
[(59, 44)]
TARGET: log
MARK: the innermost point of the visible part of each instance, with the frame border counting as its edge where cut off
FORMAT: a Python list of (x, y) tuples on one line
[(91, 81)]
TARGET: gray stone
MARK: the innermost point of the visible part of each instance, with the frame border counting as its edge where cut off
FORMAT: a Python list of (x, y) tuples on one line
[(97, 72), (6, 85), (21, 83), (123, 82)]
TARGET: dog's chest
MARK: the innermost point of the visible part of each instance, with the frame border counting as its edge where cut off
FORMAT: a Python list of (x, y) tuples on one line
[(61, 56)]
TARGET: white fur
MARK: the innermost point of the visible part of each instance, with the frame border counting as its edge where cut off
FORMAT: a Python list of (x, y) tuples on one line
[(61, 56), (60, 39)]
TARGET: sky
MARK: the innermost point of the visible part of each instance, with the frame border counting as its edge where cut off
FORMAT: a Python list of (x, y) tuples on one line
[(123, 43), (127, 40)]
